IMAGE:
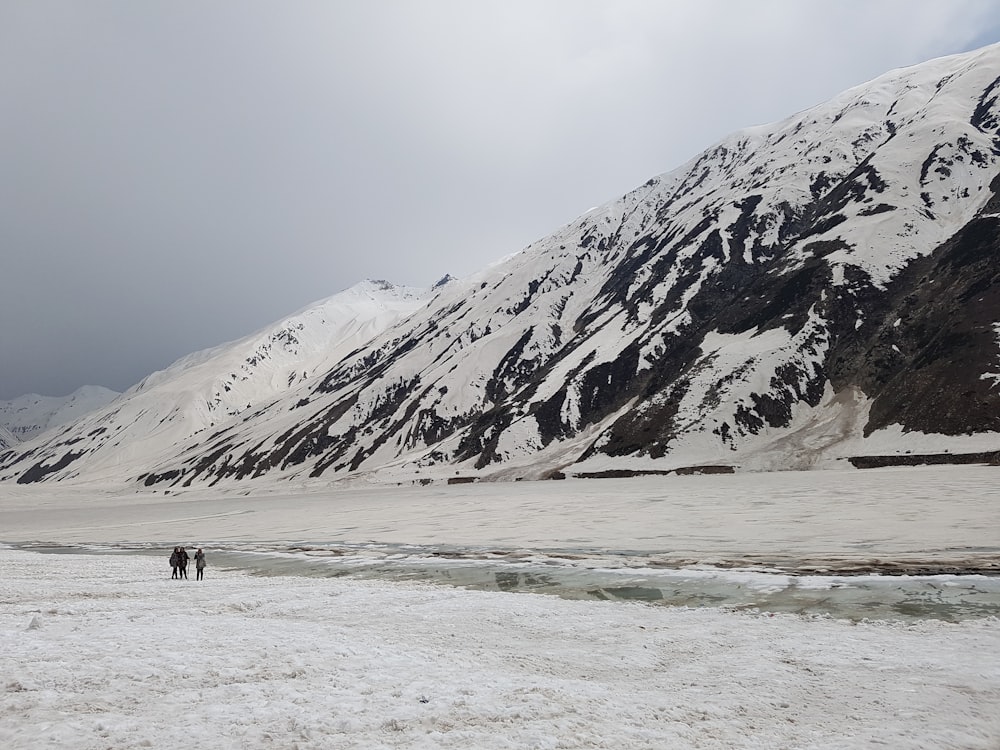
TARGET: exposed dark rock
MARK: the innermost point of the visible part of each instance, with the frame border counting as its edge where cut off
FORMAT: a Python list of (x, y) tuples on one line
[(991, 458), (926, 359), (40, 470)]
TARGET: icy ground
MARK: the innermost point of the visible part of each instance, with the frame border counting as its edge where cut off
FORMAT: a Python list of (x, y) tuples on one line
[(108, 652), (105, 651)]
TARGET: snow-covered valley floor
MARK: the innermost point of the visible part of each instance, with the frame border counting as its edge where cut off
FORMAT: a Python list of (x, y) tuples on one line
[(106, 651)]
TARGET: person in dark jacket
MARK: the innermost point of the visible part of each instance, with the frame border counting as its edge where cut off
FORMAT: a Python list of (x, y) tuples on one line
[(175, 562), (199, 565), (183, 562)]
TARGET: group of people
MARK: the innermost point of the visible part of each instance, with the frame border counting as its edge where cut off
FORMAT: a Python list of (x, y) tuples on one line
[(179, 563)]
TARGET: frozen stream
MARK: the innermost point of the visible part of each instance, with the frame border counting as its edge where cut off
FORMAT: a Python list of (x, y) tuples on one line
[(615, 576)]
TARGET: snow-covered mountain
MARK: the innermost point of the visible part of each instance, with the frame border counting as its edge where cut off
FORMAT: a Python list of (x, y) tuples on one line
[(7, 439), (219, 385), (27, 416), (810, 293)]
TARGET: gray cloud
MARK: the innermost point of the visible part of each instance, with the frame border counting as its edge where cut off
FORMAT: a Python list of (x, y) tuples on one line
[(175, 175)]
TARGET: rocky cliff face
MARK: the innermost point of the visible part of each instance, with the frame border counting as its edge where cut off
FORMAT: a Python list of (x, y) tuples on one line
[(801, 293)]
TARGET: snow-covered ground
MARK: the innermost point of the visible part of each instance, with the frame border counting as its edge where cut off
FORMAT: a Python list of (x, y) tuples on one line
[(104, 650)]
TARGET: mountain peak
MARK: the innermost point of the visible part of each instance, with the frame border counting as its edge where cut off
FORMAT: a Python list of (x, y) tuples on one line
[(446, 279)]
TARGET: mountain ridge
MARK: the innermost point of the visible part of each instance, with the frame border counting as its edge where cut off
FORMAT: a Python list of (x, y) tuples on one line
[(32, 414), (216, 385), (799, 294)]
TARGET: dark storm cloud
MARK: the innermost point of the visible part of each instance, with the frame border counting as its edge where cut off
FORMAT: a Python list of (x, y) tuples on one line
[(175, 175)]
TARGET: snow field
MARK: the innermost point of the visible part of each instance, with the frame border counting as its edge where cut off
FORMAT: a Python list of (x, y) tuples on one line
[(108, 652)]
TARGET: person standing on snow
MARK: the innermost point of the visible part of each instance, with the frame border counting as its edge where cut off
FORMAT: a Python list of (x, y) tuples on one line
[(183, 562), (199, 565), (175, 562)]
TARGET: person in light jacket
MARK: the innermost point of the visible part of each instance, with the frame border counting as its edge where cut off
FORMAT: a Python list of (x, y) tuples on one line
[(199, 564)]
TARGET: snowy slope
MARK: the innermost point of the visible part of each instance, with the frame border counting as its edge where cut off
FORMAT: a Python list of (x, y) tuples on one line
[(217, 385), (7, 439), (30, 415), (800, 295)]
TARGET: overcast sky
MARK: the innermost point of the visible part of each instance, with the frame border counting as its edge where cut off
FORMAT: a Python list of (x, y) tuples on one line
[(174, 175)]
